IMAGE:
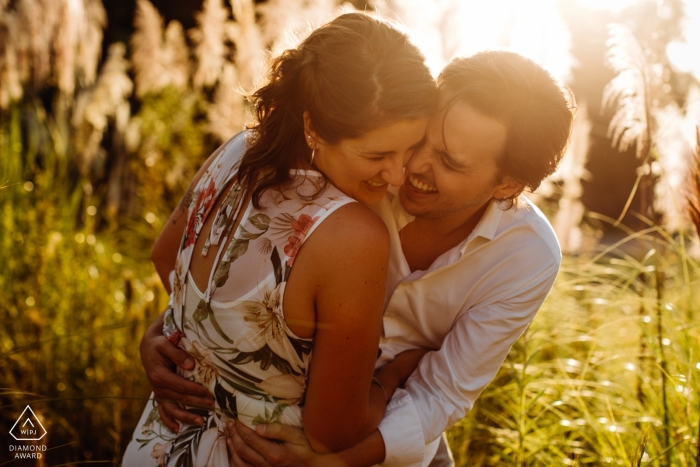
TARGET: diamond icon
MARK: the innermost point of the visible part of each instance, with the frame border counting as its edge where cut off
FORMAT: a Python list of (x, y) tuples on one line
[(28, 427)]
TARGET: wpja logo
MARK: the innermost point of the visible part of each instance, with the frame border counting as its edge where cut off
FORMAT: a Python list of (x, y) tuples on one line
[(28, 428)]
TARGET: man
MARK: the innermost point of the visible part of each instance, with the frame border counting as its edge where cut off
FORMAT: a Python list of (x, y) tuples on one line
[(471, 260)]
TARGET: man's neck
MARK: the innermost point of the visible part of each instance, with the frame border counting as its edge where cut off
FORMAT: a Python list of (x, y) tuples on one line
[(425, 239)]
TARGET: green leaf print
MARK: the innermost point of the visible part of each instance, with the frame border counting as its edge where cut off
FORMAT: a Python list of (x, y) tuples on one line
[(237, 249), (273, 417), (266, 357), (187, 441), (204, 311), (215, 323), (260, 221), (245, 235), (302, 347), (226, 401), (276, 265)]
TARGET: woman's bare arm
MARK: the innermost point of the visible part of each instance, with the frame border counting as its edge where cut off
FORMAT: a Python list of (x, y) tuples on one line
[(346, 263)]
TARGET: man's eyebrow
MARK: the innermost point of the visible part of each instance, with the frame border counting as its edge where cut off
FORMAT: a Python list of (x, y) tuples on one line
[(449, 158)]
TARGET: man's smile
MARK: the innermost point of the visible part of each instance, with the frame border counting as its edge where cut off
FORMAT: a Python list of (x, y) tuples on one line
[(419, 185)]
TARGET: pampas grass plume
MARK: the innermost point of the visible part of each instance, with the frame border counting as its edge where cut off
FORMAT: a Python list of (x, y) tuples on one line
[(694, 194), (209, 39), (629, 89), (160, 58)]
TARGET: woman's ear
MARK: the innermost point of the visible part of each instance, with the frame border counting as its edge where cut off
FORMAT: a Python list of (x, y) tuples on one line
[(507, 187), (310, 135)]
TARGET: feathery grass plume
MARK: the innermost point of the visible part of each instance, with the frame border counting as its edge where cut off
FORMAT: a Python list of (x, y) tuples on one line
[(245, 35), (210, 43), (89, 47), (428, 25), (226, 115), (11, 77), (284, 22), (160, 58), (96, 106), (146, 44), (77, 44), (39, 21), (673, 159), (694, 195), (630, 89), (569, 175), (175, 56)]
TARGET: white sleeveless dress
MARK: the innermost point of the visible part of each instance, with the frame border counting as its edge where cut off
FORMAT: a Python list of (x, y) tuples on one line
[(245, 353)]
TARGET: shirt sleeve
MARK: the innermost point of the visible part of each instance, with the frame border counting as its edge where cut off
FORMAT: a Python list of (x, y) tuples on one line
[(447, 382), (402, 433)]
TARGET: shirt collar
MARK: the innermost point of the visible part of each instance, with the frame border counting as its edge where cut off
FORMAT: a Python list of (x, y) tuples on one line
[(486, 228)]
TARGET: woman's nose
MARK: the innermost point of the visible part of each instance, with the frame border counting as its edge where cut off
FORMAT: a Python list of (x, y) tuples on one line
[(394, 172)]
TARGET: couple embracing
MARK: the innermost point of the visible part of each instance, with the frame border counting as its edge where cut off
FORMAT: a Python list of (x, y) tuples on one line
[(315, 318)]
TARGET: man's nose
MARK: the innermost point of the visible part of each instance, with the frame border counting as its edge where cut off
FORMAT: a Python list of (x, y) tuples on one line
[(419, 161)]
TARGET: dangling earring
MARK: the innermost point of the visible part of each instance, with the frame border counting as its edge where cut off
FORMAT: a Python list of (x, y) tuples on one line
[(313, 151)]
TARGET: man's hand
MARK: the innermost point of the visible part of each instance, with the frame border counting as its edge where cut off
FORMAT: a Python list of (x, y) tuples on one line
[(274, 445), (159, 359), (394, 374)]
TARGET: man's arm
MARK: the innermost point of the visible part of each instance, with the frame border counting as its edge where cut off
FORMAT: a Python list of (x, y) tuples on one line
[(447, 382), (291, 448)]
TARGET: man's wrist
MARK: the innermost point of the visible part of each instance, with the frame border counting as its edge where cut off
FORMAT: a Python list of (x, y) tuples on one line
[(390, 380)]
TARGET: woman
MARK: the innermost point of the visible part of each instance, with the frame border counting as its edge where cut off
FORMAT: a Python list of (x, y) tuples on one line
[(335, 123)]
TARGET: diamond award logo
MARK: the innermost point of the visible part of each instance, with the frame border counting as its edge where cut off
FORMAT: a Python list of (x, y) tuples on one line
[(28, 427)]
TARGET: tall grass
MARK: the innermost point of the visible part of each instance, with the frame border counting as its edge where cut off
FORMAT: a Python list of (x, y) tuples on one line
[(74, 301), (606, 374), (568, 392)]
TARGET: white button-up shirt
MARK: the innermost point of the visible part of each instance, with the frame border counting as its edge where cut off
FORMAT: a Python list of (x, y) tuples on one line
[(472, 304)]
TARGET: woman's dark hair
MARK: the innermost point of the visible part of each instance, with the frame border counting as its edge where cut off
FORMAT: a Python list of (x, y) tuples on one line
[(351, 75), (537, 111)]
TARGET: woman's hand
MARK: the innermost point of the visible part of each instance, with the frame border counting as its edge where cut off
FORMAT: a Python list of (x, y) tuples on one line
[(159, 359)]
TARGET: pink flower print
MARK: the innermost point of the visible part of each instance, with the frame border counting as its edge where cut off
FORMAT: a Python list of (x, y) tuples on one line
[(174, 338), (202, 205), (301, 227)]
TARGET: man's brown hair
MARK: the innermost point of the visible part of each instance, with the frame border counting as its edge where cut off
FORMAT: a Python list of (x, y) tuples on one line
[(536, 110)]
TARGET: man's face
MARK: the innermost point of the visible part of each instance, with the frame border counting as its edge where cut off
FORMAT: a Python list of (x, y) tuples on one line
[(460, 177)]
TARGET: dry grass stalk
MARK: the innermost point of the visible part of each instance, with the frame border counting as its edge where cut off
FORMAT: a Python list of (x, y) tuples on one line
[(694, 195), (10, 77), (210, 46), (226, 114), (159, 58), (49, 42), (39, 21), (245, 35), (284, 22), (95, 107), (630, 90), (175, 56), (570, 173), (77, 44)]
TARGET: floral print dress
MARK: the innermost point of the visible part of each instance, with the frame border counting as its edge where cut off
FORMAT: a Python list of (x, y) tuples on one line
[(245, 353)]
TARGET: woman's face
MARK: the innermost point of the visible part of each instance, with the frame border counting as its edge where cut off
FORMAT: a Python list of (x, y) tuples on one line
[(364, 167)]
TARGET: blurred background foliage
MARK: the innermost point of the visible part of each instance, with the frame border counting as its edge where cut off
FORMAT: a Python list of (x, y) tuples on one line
[(107, 109)]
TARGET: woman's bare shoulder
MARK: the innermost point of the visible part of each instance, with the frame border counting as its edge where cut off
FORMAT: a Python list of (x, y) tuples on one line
[(353, 226)]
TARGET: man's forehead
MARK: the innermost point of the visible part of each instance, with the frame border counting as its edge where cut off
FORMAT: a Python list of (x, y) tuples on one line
[(459, 128)]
